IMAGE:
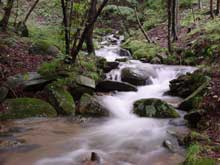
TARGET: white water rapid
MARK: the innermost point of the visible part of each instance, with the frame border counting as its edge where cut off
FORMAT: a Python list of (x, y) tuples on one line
[(124, 138)]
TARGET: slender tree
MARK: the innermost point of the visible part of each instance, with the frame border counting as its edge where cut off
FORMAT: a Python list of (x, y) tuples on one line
[(5, 19), (75, 50), (169, 13), (217, 7), (200, 4), (211, 9), (174, 19), (89, 35), (66, 27), (30, 11)]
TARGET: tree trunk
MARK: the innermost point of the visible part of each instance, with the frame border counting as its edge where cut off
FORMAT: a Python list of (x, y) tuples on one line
[(211, 9), (169, 12), (75, 50), (66, 28), (89, 35), (218, 7), (30, 11), (5, 19), (141, 27), (200, 4), (174, 20)]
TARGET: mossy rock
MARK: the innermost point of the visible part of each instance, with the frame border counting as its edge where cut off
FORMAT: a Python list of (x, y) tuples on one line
[(185, 85), (26, 107), (194, 100), (90, 107), (44, 48), (154, 108), (61, 99)]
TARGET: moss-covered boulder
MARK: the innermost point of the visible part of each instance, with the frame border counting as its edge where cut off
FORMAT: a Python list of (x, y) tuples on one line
[(154, 108), (26, 107), (194, 100), (90, 107), (42, 47), (185, 85), (61, 99)]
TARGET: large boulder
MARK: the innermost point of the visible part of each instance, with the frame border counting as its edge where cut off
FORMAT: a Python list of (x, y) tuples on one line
[(154, 108), (30, 81), (135, 76), (61, 99), (193, 101), (185, 85), (82, 85), (124, 53), (109, 86), (90, 107), (44, 48), (110, 66), (107, 66), (26, 107)]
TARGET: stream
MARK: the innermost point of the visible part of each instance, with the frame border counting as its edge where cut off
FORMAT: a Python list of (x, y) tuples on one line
[(123, 138)]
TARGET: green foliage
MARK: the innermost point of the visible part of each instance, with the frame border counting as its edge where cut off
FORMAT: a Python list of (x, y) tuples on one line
[(141, 49), (49, 34), (193, 157), (117, 10), (85, 65)]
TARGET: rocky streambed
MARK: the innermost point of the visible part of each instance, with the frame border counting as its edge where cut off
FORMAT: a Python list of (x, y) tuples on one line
[(138, 126)]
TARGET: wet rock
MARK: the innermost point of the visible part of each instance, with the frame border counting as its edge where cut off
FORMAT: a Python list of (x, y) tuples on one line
[(110, 66), (185, 85), (154, 108), (195, 117), (85, 82), (106, 66), (80, 86), (156, 60), (44, 48), (135, 76), (178, 122), (61, 100), (109, 86), (124, 53), (90, 107), (26, 107), (122, 59), (3, 93), (170, 146)]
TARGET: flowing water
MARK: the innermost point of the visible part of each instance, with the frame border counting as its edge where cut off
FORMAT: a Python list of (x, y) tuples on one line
[(124, 138)]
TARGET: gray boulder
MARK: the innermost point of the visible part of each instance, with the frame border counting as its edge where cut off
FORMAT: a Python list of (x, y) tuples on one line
[(90, 107), (135, 76), (44, 48), (30, 81), (109, 86)]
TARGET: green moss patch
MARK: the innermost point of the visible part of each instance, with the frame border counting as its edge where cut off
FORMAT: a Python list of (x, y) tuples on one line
[(26, 107)]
